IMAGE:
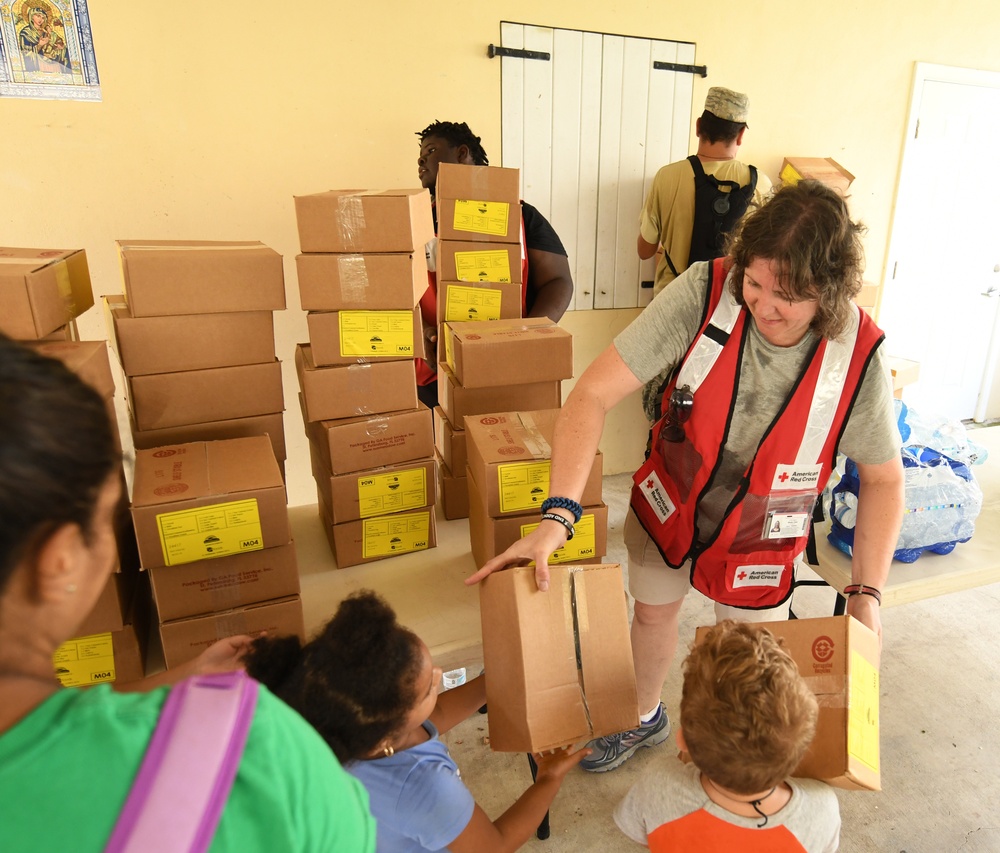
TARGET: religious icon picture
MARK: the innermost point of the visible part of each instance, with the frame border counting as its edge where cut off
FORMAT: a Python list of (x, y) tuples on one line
[(47, 51)]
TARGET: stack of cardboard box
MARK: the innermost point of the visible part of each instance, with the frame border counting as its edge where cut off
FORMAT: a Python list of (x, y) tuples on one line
[(361, 274), (509, 458), (110, 645), (211, 522), (194, 334), (479, 278)]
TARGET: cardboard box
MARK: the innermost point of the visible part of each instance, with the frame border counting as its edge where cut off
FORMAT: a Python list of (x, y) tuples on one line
[(212, 586), (826, 170), (506, 352), (346, 282), (465, 301), (161, 400), (378, 538), (184, 639), (453, 492), (379, 491), (273, 426), (87, 359), (360, 337), (354, 390), (371, 441), (478, 203), (491, 536), (101, 657), (69, 332), (164, 277), (188, 341), (449, 440), (904, 372), (510, 457), (562, 659), (41, 290), (365, 221), (839, 659), (208, 499), (458, 402), (471, 261)]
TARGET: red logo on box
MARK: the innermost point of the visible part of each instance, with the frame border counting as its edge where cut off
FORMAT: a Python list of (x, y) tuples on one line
[(823, 649), (473, 337), (170, 489), (489, 421), (161, 454), (510, 451)]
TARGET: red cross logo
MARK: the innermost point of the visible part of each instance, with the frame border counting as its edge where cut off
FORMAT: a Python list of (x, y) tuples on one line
[(742, 576), (783, 476), (649, 484)]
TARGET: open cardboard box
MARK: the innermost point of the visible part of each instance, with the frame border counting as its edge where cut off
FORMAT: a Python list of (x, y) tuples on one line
[(42, 290), (839, 659), (559, 663)]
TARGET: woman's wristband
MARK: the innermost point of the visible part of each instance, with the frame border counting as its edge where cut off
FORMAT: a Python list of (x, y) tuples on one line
[(863, 589), (564, 503), (565, 522)]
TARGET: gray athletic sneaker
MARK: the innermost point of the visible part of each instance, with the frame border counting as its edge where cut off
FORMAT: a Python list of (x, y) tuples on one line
[(614, 750)]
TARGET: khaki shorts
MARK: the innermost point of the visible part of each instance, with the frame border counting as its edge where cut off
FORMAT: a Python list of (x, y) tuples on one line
[(651, 581)]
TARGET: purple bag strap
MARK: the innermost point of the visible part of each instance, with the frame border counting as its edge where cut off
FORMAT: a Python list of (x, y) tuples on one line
[(182, 786)]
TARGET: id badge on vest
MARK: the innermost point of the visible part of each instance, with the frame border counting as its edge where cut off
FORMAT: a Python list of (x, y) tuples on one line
[(787, 515)]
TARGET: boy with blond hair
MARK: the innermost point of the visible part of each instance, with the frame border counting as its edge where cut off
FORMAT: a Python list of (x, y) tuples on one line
[(747, 718)]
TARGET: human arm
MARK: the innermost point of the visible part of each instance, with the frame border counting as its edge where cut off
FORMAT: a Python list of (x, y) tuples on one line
[(550, 284), (224, 655), (645, 248), (577, 434), (880, 516), (458, 704), (516, 825)]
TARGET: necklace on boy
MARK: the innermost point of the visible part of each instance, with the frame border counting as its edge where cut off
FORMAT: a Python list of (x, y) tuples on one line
[(755, 803)]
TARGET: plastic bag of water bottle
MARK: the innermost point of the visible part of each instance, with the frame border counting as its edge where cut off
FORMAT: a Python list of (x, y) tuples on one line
[(942, 497)]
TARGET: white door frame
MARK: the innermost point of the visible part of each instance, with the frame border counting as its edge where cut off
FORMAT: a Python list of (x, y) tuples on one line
[(924, 72)]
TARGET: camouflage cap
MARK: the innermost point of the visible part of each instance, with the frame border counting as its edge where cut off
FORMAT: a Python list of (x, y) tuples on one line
[(727, 104)]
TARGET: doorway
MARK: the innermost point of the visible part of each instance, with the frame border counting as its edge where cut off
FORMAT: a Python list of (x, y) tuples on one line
[(941, 300)]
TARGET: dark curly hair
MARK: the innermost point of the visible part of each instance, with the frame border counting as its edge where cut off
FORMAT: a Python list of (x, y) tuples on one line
[(807, 232), (455, 134), (57, 451), (355, 682)]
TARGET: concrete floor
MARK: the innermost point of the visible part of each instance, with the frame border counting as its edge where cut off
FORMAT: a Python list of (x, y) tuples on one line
[(940, 686)]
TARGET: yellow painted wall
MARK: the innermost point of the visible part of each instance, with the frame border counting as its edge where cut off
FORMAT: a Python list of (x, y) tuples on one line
[(214, 116)]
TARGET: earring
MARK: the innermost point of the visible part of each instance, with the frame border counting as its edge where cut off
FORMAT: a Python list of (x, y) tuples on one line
[(388, 752), (71, 588)]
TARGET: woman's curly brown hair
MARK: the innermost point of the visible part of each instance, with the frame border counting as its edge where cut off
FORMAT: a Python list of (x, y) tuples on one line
[(354, 682), (807, 232)]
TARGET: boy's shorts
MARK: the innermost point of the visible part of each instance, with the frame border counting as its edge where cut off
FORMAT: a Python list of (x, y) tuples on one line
[(651, 581)]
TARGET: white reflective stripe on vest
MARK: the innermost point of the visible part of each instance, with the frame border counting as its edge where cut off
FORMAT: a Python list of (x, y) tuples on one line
[(706, 352), (826, 396)]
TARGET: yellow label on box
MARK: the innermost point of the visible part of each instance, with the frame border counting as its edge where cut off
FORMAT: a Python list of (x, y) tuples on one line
[(862, 724), (449, 358), (472, 303), (210, 531), (582, 546), (396, 534), (486, 265), (85, 660), (790, 175), (523, 485), (381, 493), (482, 217), (374, 334)]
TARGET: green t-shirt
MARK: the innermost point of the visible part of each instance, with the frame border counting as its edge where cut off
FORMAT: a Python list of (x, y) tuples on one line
[(66, 769)]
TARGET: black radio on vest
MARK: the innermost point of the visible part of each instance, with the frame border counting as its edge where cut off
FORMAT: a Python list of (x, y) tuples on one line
[(718, 207)]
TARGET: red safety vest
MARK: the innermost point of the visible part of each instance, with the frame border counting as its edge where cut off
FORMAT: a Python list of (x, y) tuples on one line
[(748, 561), (428, 308)]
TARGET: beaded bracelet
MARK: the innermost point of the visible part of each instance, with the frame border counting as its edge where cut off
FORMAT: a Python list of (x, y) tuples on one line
[(563, 503), (863, 589), (551, 516)]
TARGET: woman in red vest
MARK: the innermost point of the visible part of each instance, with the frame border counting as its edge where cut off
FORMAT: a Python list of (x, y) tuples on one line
[(772, 370)]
